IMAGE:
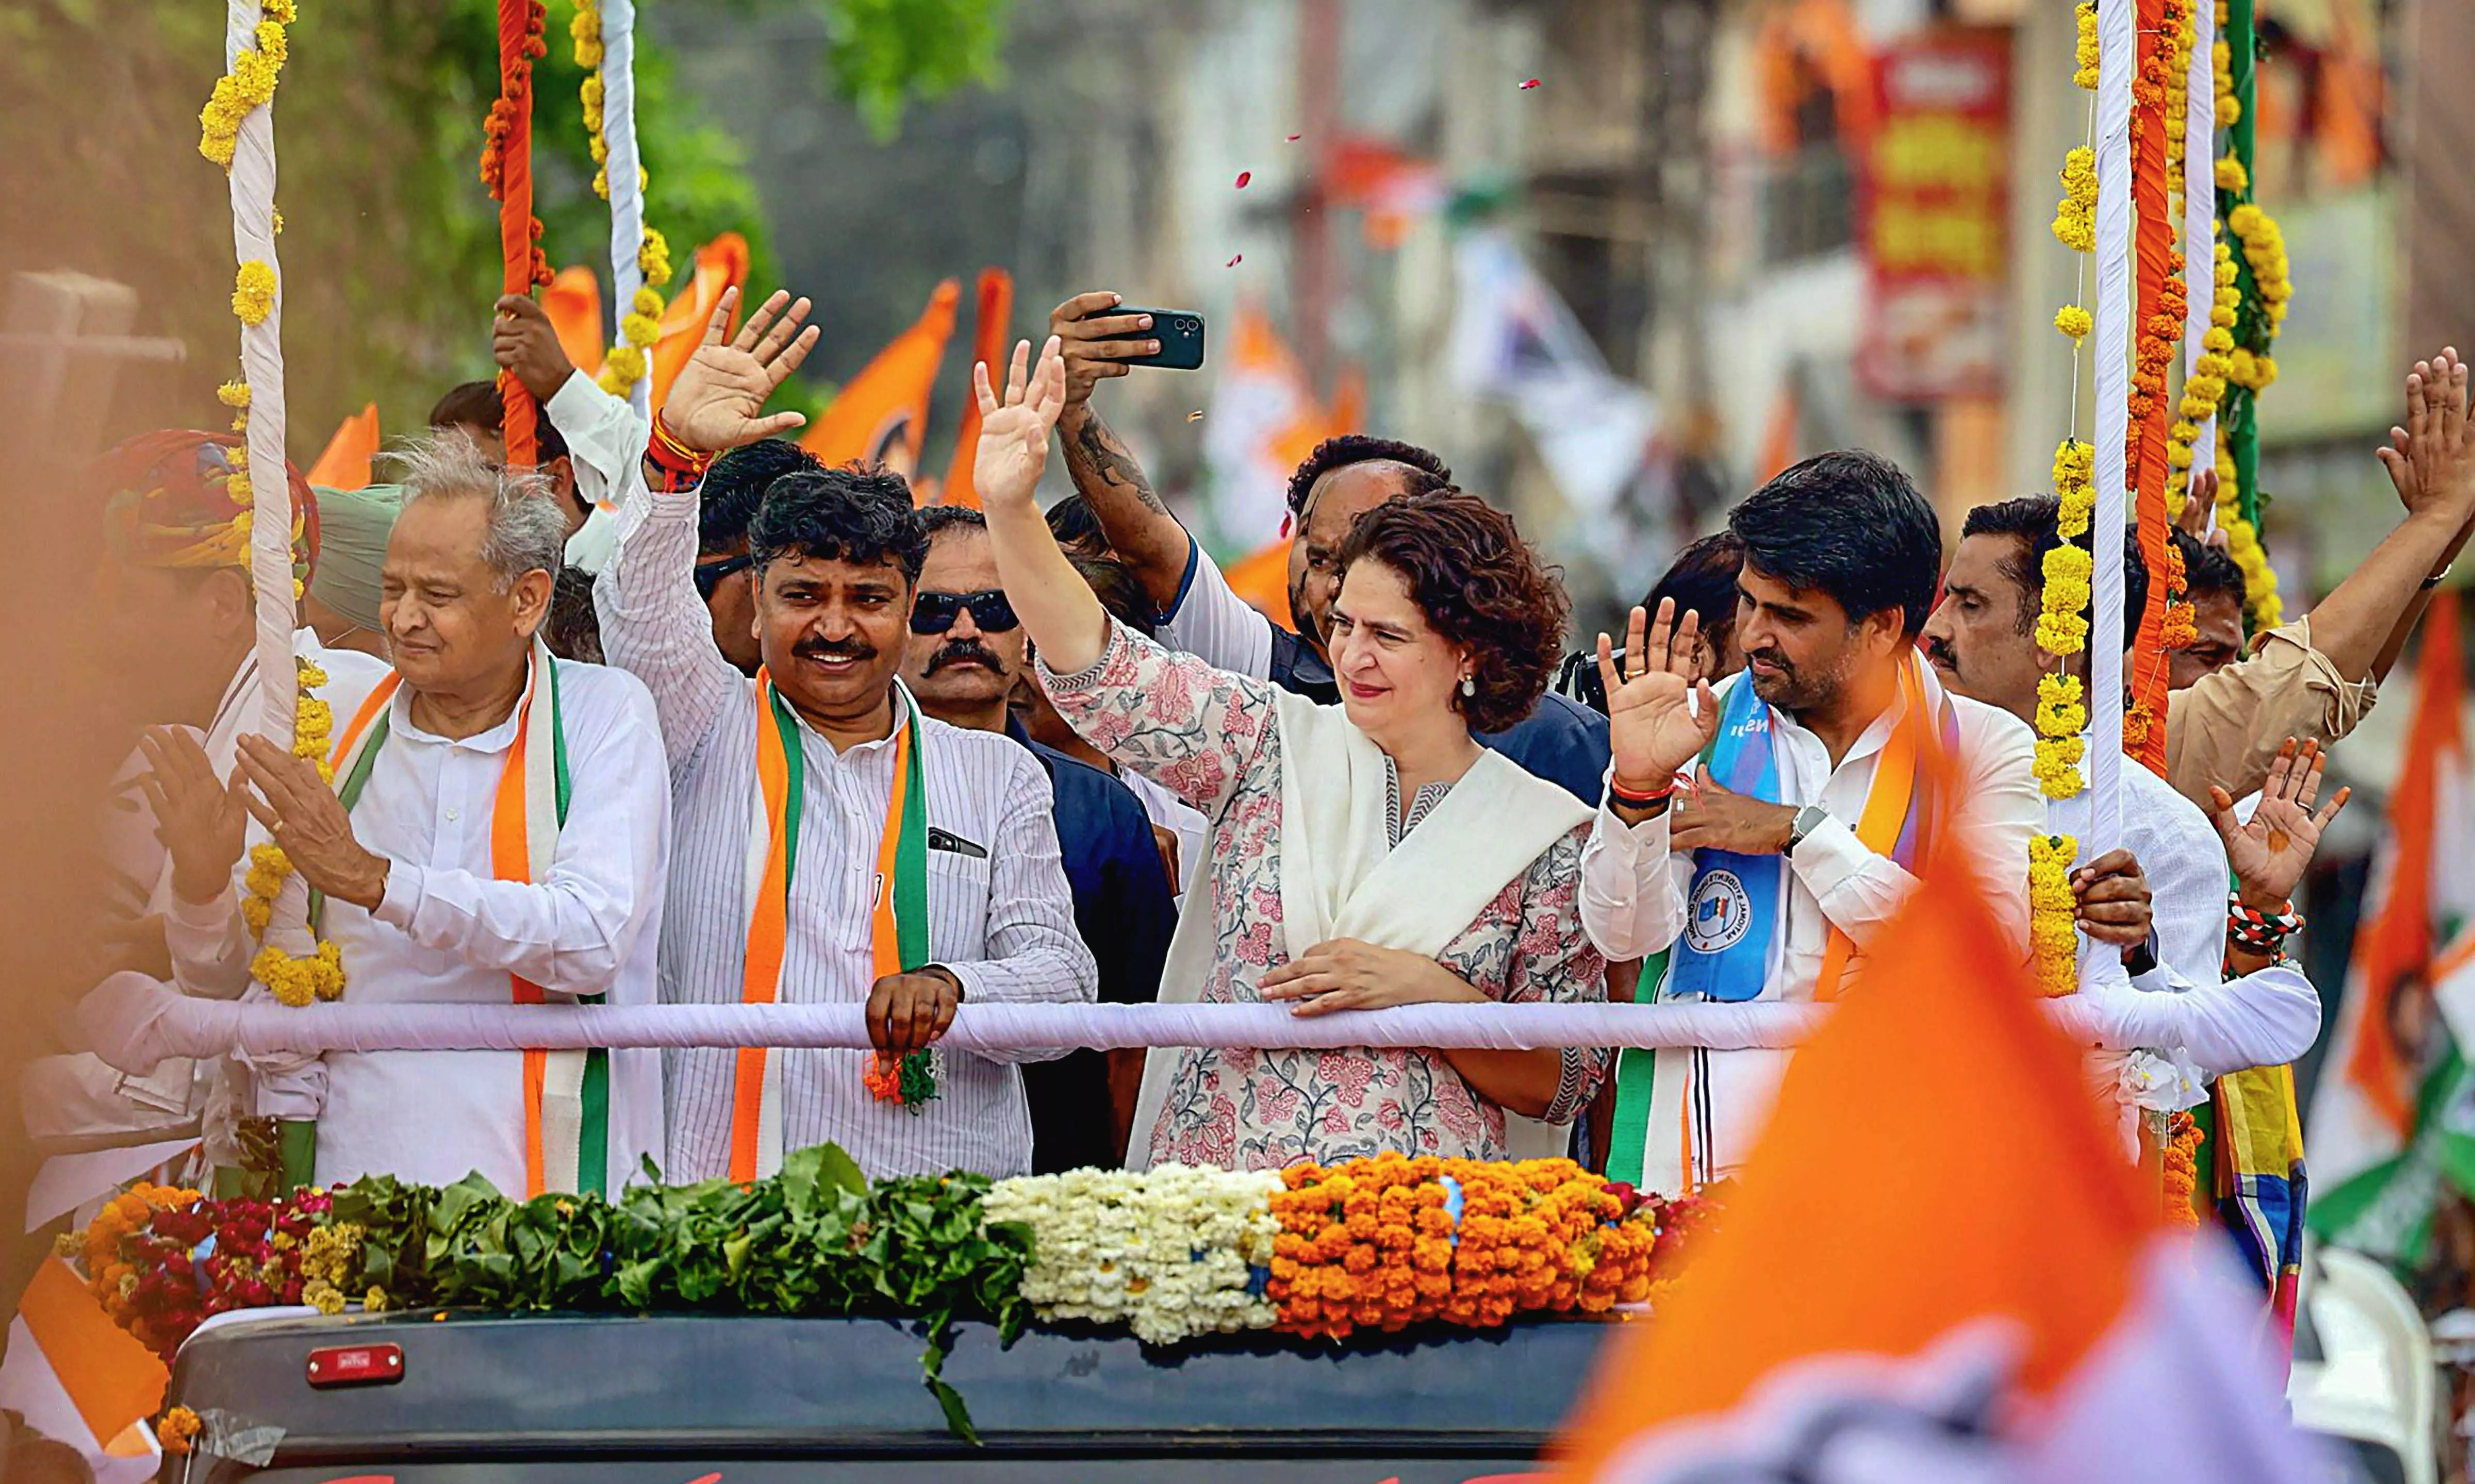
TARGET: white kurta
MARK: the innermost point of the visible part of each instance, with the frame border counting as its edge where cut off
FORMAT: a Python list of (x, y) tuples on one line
[(1633, 891), (447, 930)]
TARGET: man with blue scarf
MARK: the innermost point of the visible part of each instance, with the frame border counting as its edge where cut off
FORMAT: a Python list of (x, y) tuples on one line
[(1770, 862)]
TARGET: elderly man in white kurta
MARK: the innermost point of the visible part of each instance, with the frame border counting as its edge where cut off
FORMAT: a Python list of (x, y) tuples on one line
[(495, 834)]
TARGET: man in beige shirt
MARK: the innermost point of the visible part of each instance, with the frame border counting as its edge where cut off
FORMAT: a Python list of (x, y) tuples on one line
[(2316, 678)]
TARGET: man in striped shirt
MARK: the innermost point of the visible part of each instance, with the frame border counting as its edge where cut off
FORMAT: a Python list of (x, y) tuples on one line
[(837, 564)]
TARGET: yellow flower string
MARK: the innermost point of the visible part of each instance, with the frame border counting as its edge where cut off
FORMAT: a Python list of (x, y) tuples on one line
[(2086, 54), (295, 981), (2076, 215), (640, 324), (249, 86), (2051, 932), (2075, 323)]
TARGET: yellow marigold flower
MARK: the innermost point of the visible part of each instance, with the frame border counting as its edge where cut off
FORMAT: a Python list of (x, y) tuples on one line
[(281, 10), (2075, 322), (272, 44), (627, 362), (653, 258), (233, 394), (640, 329), (2231, 175), (2229, 110), (646, 303), (253, 297)]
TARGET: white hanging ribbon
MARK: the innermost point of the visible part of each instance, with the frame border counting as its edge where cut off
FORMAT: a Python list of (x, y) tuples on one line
[(2117, 57), (2201, 212), (620, 167)]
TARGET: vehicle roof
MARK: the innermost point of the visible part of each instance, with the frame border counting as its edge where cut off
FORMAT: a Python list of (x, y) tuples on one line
[(561, 1384)]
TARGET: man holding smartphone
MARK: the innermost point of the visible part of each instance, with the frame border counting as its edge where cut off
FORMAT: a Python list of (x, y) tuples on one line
[(1342, 481)]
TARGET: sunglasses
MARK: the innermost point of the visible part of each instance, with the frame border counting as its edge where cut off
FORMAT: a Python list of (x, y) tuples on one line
[(710, 576), (935, 612)]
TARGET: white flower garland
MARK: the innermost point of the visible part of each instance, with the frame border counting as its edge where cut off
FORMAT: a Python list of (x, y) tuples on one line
[(1174, 1252)]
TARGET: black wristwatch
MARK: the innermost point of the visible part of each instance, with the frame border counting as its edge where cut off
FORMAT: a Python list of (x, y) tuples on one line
[(2142, 960), (1807, 820)]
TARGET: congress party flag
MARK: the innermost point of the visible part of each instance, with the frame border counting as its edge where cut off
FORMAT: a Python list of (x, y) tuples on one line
[(1939, 1266)]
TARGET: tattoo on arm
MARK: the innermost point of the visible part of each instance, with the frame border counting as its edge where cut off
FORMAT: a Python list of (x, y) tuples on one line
[(1096, 448)]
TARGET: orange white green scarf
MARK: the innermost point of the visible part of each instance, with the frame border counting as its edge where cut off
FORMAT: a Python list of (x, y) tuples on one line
[(898, 919), (566, 1093)]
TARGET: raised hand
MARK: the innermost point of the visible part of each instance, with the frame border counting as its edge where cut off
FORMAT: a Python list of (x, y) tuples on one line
[(714, 405), (1082, 325), (199, 818), (1014, 433), (2269, 853), (1660, 711), (311, 823), (2431, 460)]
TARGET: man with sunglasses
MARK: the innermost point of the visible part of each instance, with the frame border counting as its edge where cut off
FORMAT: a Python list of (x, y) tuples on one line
[(967, 652)]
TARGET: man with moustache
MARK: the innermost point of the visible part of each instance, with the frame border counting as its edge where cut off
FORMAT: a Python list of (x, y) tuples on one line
[(966, 656), (834, 842), (1811, 814)]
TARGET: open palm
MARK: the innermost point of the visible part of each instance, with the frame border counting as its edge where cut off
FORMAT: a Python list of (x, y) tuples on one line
[(1014, 432), (716, 403), (2269, 852), (1660, 711)]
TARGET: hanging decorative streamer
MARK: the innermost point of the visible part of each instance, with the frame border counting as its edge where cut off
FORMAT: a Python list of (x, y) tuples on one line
[(640, 259), (2102, 826), (2199, 254), (2157, 313), (508, 169)]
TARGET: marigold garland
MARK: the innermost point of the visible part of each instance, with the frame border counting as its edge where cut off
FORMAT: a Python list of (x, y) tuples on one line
[(2182, 1166), (2053, 935), (1391, 1241), (2075, 323), (177, 1429), (295, 981), (641, 323), (2075, 214), (253, 297), (2085, 54), (249, 86)]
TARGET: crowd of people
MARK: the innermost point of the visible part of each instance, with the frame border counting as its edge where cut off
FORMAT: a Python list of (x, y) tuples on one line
[(679, 715)]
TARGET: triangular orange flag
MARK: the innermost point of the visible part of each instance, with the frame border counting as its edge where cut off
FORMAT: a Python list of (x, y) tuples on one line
[(574, 302), (720, 265), (987, 345), (881, 415), (1938, 1253), (345, 463)]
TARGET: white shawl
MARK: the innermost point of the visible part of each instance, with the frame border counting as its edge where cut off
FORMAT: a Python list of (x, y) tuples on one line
[(1342, 877)]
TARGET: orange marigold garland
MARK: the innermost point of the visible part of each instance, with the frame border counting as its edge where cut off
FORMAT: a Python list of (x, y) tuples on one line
[(2159, 307), (2182, 1164), (508, 169), (1391, 1241)]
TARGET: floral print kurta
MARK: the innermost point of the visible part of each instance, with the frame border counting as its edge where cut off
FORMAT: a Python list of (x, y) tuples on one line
[(1213, 737)]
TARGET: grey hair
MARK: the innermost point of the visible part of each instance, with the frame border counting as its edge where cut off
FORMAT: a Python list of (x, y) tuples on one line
[(527, 530)]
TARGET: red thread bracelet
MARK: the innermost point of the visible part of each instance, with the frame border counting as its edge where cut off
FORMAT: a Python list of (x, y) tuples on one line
[(1619, 794)]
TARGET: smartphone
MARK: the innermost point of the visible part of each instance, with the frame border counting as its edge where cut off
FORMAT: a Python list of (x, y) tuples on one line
[(1179, 332)]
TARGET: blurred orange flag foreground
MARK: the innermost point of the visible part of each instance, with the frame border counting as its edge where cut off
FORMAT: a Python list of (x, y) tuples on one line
[(882, 414), (1939, 1265)]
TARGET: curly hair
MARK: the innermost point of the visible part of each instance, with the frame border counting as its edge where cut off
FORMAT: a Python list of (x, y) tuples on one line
[(851, 513), (1481, 586), (1427, 473)]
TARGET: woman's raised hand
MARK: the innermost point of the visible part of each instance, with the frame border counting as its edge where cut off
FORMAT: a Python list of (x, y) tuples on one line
[(1660, 711), (1014, 432)]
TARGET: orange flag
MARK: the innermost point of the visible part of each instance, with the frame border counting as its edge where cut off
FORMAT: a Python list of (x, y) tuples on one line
[(345, 465), (1262, 577), (1939, 1260), (882, 415), (720, 265), (574, 302), (114, 1379), (987, 345)]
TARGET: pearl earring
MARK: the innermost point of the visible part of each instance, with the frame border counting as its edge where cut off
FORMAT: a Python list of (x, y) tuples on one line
[(1469, 686)]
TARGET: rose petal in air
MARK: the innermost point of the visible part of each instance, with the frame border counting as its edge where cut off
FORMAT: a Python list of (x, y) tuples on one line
[(1235, 261), (1295, 137), (1526, 87), (1196, 416), (1243, 176)]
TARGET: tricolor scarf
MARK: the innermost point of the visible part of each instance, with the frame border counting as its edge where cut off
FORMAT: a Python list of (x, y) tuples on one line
[(899, 919), (1732, 913), (1732, 909), (566, 1093)]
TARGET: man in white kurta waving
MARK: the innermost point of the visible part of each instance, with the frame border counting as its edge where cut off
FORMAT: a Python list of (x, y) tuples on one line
[(495, 834), (1812, 810)]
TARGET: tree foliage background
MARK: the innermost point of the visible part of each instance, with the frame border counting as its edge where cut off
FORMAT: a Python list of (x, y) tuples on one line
[(390, 248)]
